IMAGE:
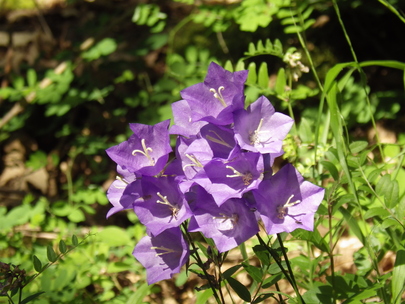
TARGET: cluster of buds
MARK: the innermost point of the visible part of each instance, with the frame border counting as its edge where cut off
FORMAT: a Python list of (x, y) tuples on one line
[(219, 183), (11, 277), (296, 66)]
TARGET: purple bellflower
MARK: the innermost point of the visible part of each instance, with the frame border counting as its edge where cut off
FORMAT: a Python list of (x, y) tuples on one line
[(287, 202), (228, 225), (162, 255), (116, 190), (146, 151), (231, 178), (183, 124), (261, 129), (217, 97), (162, 204)]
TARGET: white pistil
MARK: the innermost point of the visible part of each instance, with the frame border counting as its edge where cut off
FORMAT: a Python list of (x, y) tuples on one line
[(218, 140), (165, 201), (218, 95), (145, 152), (246, 177), (166, 250), (194, 160), (282, 209)]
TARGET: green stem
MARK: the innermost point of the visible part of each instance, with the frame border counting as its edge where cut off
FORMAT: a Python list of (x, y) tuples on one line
[(288, 274), (201, 264)]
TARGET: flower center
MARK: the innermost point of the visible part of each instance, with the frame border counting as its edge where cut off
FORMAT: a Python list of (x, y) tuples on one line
[(282, 210), (218, 95), (246, 177), (173, 207), (254, 137), (145, 152)]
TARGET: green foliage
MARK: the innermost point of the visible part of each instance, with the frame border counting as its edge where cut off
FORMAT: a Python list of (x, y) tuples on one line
[(81, 106)]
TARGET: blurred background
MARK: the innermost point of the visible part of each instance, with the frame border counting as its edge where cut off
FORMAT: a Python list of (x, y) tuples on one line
[(74, 73)]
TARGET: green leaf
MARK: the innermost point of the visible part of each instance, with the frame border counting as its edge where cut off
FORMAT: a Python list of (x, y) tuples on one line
[(255, 272), (331, 168), (358, 146), (262, 253), (270, 281), (37, 160), (305, 131), (50, 253), (378, 211), (138, 296), (263, 75), (252, 76), (76, 216), (230, 271), (75, 242), (281, 82), (114, 236), (240, 289), (37, 263), (31, 297), (398, 277), (62, 246), (353, 224), (31, 77)]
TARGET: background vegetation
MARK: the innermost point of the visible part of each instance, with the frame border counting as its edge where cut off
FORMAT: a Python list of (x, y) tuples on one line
[(75, 73)]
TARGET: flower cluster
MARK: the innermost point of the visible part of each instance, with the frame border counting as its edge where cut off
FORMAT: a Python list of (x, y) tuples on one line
[(220, 180)]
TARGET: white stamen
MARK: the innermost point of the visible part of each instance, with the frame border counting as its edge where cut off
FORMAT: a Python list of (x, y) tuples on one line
[(246, 177), (254, 137), (218, 140), (195, 162), (166, 250), (174, 208), (282, 209), (122, 180), (145, 152), (218, 95)]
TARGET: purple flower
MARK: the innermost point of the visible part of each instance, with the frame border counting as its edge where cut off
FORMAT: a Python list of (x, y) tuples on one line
[(228, 225), (194, 154), (162, 255), (261, 129), (231, 178), (183, 124), (116, 190), (217, 97), (146, 151), (162, 205), (287, 202), (220, 139)]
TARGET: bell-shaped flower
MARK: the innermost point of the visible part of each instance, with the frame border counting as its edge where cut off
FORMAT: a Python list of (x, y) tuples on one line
[(183, 124), (116, 190), (287, 202), (228, 225), (146, 152), (220, 139), (194, 154), (162, 205), (261, 129), (162, 255), (214, 100), (232, 177)]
